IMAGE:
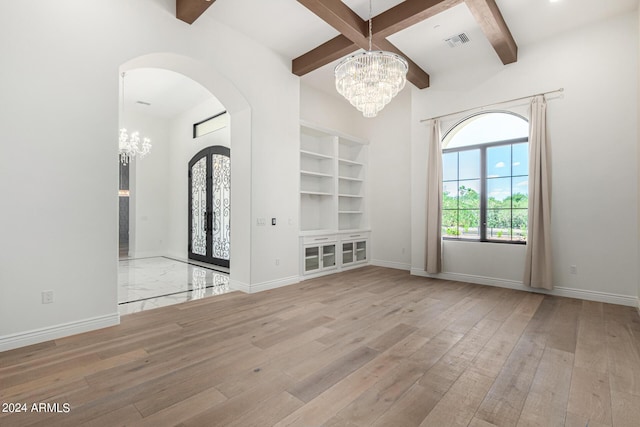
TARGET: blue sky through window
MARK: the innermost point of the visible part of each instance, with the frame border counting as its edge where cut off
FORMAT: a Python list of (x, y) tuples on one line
[(487, 127)]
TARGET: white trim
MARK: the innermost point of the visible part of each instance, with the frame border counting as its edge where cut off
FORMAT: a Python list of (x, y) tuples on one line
[(143, 254), (560, 291), (391, 264), (236, 285), (273, 284), (320, 273), (10, 342)]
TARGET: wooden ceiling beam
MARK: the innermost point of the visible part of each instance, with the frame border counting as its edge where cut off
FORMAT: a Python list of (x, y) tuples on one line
[(342, 18), (408, 13), (354, 36), (415, 75), (324, 54), (490, 19), (190, 10)]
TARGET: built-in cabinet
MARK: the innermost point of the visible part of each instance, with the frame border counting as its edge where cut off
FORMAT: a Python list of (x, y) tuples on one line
[(334, 230), (354, 251), (320, 255)]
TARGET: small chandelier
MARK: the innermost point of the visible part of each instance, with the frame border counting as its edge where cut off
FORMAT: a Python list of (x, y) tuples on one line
[(369, 80), (129, 145)]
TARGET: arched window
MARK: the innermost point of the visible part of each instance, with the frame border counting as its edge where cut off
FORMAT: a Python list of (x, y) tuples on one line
[(485, 161)]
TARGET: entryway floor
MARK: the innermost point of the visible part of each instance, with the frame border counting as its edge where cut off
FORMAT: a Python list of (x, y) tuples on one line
[(147, 283)]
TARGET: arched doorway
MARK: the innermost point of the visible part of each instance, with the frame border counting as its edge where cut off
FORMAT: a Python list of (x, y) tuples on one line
[(239, 112)]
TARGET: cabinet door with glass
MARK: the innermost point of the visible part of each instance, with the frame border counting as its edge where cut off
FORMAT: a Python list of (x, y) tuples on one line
[(354, 252), (319, 258)]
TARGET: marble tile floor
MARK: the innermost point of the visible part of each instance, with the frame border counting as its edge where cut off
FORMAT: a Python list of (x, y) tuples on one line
[(147, 283)]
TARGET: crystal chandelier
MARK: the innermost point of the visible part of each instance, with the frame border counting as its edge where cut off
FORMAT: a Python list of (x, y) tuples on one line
[(369, 80), (129, 145)]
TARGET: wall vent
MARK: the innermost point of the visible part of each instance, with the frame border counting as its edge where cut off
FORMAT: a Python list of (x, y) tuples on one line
[(458, 40)]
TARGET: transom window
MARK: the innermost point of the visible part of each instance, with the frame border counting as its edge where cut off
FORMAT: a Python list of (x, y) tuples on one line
[(485, 161)]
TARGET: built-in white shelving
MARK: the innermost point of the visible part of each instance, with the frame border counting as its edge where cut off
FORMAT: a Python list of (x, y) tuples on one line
[(332, 199)]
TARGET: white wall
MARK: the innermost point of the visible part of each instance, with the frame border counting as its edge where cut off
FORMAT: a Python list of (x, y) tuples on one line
[(59, 84), (331, 112), (593, 133), (149, 200), (389, 134), (638, 166)]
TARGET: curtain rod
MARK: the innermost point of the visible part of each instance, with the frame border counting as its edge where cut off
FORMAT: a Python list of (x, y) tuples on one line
[(491, 105)]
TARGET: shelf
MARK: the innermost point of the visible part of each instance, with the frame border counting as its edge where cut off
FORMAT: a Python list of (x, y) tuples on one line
[(333, 177), (350, 162), (318, 174), (315, 155), (316, 193)]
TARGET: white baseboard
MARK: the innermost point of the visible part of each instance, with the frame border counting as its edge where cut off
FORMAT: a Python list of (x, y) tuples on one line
[(264, 286), (237, 285), (273, 284), (560, 291), (391, 264), (10, 342), (148, 254)]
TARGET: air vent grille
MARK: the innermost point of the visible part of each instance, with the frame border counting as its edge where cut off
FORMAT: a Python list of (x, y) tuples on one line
[(457, 40)]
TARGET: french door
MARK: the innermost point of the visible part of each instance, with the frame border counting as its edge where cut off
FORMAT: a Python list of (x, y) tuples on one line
[(210, 206)]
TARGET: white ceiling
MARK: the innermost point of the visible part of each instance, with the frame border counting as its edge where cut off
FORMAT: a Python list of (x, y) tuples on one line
[(290, 29)]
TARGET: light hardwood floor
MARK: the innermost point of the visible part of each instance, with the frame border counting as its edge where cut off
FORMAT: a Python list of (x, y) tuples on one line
[(368, 347)]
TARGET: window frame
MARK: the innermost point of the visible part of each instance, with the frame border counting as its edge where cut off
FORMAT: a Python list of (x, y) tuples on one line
[(196, 126), (483, 147)]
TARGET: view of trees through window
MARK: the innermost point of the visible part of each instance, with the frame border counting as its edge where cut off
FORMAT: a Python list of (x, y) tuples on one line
[(485, 179)]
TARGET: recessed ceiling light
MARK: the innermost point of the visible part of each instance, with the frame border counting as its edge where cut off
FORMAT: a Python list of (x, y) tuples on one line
[(554, 1)]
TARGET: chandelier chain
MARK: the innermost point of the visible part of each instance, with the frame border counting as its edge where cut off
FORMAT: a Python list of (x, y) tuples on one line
[(370, 26), (369, 80)]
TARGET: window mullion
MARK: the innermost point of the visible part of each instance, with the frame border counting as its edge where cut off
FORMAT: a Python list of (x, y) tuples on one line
[(483, 194)]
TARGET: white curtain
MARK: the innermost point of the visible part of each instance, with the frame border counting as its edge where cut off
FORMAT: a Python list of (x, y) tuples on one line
[(537, 271), (434, 201)]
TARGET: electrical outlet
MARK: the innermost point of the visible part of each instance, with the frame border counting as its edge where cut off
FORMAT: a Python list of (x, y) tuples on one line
[(573, 269), (273, 221), (47, 297), (277, 261)]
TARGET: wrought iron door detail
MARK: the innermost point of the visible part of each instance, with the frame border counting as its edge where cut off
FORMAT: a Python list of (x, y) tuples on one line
[(199, 207), (210, 206), (221, 201)]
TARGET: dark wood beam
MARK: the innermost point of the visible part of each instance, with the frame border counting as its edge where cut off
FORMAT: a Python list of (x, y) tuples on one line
[(342, 18), (415, 75), (324, 54), (490, 19), (190, 10), (408, 13), (354, 32)]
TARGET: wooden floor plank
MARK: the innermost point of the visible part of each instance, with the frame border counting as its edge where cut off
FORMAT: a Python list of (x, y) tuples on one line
[(367, 347), (546, 403)]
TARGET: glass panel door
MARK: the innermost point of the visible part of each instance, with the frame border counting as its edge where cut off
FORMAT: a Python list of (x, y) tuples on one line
[(221, 204), (311, 259), (328, 256), (210, 206), (199, 207), (347, 253), (361, 251)]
